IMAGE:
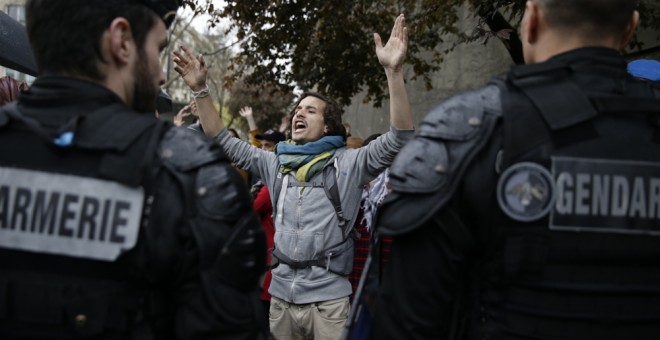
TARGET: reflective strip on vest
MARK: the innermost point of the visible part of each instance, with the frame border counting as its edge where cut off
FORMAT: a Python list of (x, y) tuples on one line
[(67, 215), (600, 195)]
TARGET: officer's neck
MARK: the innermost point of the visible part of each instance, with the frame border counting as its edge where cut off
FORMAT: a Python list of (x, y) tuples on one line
[(552, 44)]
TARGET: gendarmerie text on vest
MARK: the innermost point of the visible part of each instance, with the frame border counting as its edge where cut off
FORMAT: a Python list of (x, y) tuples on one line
[(68, 215), (608, 195), (63, 214)]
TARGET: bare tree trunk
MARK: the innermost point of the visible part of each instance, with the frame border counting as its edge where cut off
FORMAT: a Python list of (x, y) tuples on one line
[(496, 22)]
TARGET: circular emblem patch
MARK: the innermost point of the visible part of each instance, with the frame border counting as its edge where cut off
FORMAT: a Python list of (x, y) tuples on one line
[(525, 192)]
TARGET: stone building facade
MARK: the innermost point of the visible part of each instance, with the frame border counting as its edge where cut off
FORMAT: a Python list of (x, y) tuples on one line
[(469, 66)]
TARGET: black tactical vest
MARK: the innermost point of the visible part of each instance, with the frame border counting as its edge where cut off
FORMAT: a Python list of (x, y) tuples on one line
[(84, 293), (572, 250)]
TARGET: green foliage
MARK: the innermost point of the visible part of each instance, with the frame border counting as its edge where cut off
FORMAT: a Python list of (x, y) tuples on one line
[(328, 46)]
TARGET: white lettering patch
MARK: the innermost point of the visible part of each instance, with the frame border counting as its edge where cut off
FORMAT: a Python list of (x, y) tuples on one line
[(67, 215), (606, 196)]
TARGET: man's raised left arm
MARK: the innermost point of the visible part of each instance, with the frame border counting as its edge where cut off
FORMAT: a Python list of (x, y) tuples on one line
[(391, 57)]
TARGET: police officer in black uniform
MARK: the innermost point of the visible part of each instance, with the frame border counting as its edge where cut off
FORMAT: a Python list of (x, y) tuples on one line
[(530, 208), (113, 224)]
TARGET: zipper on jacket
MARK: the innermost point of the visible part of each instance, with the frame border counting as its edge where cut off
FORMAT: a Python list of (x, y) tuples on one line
[(295, 248)]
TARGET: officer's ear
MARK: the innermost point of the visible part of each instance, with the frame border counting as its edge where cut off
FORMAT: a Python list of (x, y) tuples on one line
[(530, 23), (630, 29), (121, 43)]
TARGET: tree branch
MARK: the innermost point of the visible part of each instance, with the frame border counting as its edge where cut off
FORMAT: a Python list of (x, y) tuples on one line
[(496, 22)]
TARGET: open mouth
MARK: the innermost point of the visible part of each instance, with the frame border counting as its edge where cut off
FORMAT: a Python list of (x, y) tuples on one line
[(299, 126)]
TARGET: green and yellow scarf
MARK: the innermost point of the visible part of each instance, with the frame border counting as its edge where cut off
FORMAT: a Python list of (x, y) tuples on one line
[(307, 159)]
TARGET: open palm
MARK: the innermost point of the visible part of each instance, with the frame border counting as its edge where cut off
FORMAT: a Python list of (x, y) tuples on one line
[(245, 112), (393, 54), (192, 70)]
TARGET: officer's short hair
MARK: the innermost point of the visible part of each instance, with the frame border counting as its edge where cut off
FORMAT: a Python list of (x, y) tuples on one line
[(591, 18), (65, 34)]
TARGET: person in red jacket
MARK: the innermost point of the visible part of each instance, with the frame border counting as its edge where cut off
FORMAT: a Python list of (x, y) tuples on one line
[(264, 209)]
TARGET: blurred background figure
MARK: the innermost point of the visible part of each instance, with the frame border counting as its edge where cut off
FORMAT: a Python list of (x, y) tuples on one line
[(234, 133), (163, 103), (269, 139), (354, 142), (187, 111), (10, 89)]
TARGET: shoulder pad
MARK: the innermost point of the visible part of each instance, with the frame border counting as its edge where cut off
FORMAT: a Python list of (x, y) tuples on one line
[(229, 236), (450, 131), (426, 172), (220, 185), (460, 117), (187, 149)]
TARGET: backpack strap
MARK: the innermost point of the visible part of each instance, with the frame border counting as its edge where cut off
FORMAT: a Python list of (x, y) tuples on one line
[(323, 259), (332, 191), (275, 195)]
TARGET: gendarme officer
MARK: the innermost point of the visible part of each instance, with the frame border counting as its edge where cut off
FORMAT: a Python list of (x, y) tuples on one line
[(530, 208), (113, 224)]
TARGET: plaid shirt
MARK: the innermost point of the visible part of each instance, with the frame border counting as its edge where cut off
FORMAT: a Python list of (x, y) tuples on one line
[(362, 251)]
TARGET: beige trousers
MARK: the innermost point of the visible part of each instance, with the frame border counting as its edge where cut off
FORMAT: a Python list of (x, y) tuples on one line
[(319, 321)]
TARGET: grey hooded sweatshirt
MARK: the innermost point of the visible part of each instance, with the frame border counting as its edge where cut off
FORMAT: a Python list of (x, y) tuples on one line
[(306, 223)]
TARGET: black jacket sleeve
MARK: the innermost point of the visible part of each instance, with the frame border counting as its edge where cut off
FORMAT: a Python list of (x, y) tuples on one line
[(422, 281)]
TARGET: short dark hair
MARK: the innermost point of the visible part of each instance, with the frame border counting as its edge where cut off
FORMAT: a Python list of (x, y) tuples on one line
[(371, 138), (331, 114), (234, 132), (592, 18), (65, 34)]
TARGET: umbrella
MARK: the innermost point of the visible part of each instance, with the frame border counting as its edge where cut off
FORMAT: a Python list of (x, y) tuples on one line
[(15, 51)]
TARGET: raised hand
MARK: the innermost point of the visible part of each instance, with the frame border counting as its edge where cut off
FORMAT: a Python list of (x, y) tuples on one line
[(193, 108), (192, 70), (178, 119), (393, 54), (245, 112)]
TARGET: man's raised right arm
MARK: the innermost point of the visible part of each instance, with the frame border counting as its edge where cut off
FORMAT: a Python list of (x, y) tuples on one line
[(193, 70)]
